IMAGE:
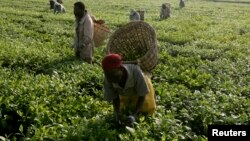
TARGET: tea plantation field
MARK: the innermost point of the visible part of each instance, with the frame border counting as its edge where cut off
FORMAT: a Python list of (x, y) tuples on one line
[(202, 76)]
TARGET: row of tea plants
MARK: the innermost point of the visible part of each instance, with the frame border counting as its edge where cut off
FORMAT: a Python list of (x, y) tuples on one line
[(202, 76)]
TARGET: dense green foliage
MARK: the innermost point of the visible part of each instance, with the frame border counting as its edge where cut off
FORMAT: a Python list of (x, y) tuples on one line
[(202, 78)]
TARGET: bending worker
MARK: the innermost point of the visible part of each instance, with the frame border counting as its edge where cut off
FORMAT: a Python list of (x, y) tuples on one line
[(129, 89)]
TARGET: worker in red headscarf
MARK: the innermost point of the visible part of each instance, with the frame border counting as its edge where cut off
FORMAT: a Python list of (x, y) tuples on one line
[(128, 88)]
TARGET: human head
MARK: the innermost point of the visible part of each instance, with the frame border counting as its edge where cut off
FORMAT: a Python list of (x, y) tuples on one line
[(52, 2), (112, 67), (164, 6), (59, 1), (79, 9)]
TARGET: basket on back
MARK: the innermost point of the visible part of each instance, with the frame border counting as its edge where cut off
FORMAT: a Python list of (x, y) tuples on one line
[(101, 33), (136, 43)]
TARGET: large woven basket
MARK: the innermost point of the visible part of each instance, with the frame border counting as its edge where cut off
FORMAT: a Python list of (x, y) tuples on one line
[(101, 33), (136, 42)]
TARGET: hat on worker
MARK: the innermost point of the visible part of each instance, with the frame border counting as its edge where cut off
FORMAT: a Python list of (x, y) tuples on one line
[(111, 61)]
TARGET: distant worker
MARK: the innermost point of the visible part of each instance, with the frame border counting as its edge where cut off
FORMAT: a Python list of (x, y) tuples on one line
[(182, 3), (52, 3), (165, 11), (134, 15), (59, 8)]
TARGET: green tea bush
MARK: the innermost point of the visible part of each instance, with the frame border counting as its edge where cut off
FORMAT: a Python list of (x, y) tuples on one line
[(202, 75)]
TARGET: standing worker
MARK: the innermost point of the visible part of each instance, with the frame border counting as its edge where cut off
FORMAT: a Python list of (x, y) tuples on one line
[(84, 33)]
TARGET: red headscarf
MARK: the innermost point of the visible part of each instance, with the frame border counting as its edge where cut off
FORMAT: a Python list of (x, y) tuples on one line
[(111, 61)]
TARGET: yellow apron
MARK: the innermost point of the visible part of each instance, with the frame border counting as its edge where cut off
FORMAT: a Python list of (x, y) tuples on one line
[(149, 106)]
